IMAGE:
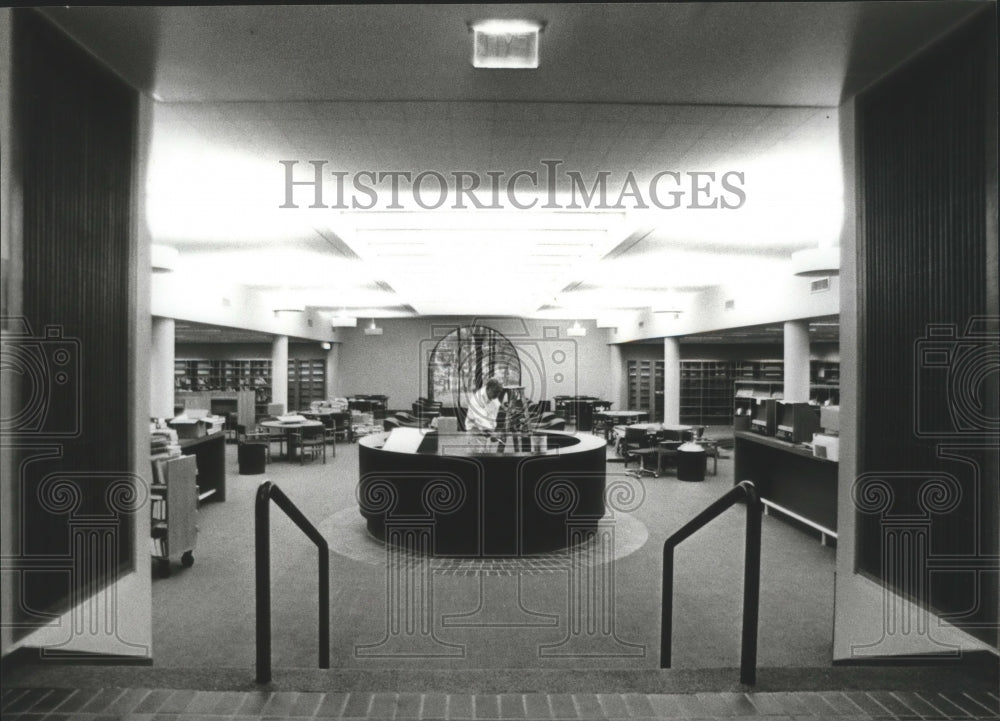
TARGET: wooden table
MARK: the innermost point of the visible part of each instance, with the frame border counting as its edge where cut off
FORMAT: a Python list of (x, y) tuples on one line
[(326, 414), (619, 418), (290, 426)]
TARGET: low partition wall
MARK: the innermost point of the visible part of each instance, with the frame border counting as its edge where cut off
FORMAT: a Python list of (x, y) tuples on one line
[(502, 504)]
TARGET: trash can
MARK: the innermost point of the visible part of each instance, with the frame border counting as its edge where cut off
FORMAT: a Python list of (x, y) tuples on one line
[(584, 412), (252, 458), (690, 462)]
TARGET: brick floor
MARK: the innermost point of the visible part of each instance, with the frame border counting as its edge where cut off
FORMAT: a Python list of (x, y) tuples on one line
[(115, 704)]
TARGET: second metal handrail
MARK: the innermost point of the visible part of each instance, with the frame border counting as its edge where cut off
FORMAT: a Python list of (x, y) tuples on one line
[(743, 491), (266, 492)]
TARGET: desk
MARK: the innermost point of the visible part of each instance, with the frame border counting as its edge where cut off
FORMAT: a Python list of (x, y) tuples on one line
[(790, 479), (286, 427), (619, 418), (484, 504)]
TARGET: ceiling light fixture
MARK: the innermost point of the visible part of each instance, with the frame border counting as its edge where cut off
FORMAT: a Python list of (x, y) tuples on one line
[(163, 258), (816, 262), (505, 44), (342, 320), (373, 329)]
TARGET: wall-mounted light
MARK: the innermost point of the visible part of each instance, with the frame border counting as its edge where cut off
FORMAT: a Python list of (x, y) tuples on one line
[(505, 44), (163, 258), (372, 329), (576, 330), (325, 345)]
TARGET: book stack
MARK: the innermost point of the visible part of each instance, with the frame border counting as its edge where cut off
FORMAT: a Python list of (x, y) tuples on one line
[(163, 444)]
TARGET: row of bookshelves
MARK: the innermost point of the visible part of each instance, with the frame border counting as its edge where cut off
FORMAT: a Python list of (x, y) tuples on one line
[(306, 379), (710, 390)]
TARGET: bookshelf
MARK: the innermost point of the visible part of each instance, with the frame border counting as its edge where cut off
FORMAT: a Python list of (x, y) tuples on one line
[(706, 392), (645, 378), (306, 381), (824, 382), (173, 511), (752, 381)]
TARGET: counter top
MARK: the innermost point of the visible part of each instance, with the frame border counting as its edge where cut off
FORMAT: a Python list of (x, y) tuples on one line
[(795, 448)]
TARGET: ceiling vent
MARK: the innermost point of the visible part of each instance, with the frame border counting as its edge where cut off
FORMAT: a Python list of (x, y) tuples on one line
[(819, 285)]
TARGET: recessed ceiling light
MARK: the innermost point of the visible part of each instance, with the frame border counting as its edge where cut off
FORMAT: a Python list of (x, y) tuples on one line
[(505, 44)]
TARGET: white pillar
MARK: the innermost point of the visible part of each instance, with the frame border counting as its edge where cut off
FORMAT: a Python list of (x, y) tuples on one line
[(796, 361), (279, 372), (616, 384), (332, 357), (161, 369), (671, 381)]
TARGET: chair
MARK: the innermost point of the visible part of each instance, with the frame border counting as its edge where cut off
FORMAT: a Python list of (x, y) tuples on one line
[(638, 445), (329, 433), (602, 424), (274, 435), (552, 424), (310, 441), (407, 420), (342, 426), (426, 410), (666, 450)]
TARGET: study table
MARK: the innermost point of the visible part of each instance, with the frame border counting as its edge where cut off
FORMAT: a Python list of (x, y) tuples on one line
[(618, 418), (288, 427), (462, 501)]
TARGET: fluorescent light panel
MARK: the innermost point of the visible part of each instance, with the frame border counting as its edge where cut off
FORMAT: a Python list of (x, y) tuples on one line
[(505, 44)]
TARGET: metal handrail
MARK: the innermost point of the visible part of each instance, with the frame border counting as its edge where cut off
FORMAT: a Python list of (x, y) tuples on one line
[(743, 491), (267, 491)]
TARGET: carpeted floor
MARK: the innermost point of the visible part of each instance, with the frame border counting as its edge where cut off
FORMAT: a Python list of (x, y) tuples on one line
[(491, 614)]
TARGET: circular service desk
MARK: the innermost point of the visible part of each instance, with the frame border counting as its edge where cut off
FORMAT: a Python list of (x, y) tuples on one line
[(459, 500)]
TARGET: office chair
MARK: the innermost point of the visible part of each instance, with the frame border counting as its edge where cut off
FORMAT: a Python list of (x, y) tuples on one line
[(638, 445)]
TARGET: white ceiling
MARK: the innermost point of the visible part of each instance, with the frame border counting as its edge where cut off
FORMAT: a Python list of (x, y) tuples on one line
[(749, 88)]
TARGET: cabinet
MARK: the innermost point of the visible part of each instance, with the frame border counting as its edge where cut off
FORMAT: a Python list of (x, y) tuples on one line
[(306, 382), (645, 379), (173, 510), (706, 392)]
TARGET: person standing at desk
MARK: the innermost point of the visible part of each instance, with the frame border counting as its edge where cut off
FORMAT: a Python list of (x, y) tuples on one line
[(483, 408)]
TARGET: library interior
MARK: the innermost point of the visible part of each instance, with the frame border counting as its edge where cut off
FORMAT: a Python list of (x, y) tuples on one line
[(608, 352)]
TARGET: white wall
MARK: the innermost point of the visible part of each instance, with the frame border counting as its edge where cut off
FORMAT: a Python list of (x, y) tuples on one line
[(394, 363), (231, 305), (759, 301)]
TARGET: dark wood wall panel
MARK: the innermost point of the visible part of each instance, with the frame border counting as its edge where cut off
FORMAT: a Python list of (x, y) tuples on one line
[(75, 127), (923, 278)]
